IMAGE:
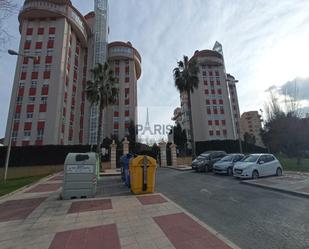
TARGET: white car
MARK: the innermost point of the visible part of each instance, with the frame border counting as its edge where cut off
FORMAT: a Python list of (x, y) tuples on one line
[(257, 165)]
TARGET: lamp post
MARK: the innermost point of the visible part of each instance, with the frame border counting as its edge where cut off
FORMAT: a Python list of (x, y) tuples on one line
[(8, 152)]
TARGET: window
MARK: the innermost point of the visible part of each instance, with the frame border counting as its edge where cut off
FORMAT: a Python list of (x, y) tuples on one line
[(117, 62), (218, 83), (44, 90), (218, 133), (209, 122), (221, 109), (25, 60), (211, 133), (219, 91), (215, 110), (29, 115), (207, 102), (49, 52), (204, 74), (50, 44), (40, 31), (208, 110), (206, 91), (52, 30), (43, 107), (31, 100), (21, 84), (43, 100), (33, 84), (19, 100), (27, 44), (29, 31), (214, 101), (223, 122), (210, 73), (28, 126), (38, 45), (127, 113), (216, 122), (37, 60), (48, 59), (32, 92), (205, 82), (27, 134), (221, 101), (127, 79), (23, 75), (217, 73)]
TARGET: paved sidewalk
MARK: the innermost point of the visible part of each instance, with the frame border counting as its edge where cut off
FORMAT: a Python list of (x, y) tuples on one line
[(295, 183), (35, 218)]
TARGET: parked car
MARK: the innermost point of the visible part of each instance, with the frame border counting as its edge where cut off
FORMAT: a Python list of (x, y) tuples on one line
[(257, 165), (225, 165), (205, 161)]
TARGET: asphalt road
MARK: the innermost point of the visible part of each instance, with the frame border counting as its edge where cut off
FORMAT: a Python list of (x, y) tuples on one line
[(251, 217)]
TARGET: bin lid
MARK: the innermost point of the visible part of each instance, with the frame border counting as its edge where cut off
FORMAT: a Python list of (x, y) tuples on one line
[(81, 158), (138, 161)]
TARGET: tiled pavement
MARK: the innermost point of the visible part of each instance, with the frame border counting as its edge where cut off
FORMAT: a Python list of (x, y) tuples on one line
[(129, 222)]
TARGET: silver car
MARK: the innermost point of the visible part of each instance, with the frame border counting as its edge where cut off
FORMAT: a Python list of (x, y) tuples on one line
[(226, 164)]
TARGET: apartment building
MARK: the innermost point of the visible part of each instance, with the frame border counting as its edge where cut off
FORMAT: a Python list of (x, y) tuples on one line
[(214, 104), (251, 123), (48, 102)]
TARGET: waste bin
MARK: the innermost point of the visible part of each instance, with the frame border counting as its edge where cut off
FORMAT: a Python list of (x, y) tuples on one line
[(125, 174), (142, 174), (80, 175)]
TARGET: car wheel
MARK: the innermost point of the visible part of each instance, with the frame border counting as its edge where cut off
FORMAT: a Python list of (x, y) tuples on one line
[(279, 172), (255, 174), (230, 171)]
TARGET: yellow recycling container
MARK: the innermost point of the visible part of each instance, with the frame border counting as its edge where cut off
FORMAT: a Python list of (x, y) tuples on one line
[(142, 174)]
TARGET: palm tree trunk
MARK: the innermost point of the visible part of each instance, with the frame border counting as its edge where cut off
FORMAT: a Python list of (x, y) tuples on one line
[(191, 124), (99, 130)]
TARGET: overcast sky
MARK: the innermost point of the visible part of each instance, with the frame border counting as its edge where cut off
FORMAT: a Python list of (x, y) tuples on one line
[(265, 43)]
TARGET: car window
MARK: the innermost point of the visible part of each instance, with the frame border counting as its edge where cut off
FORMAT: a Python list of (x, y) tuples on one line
[(250, 158), (270, 158), (263, 158), (227, 158)]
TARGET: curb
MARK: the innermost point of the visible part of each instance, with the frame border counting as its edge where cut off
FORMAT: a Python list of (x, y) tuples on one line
[(203, 224), (174, 168), (27, 186), (285, 191)]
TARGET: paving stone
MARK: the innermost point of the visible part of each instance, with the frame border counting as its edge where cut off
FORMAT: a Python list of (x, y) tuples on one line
[(151, 199), (18, 209), (44, 188)]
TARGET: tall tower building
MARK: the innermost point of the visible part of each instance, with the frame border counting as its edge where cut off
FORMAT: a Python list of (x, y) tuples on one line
[(214, 105), (125, 61), (48, 102)]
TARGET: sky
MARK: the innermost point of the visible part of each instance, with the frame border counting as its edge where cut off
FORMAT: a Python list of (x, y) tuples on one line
[(265, 43)]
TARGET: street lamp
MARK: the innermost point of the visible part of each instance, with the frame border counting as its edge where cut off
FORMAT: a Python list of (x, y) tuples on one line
[(8, 152)]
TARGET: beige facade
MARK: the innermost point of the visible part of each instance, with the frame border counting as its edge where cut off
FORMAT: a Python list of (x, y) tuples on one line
[(48, 102), (214, 104), (251, 122)]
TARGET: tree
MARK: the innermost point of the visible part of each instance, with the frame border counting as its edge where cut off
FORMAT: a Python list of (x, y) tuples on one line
[(179, 137), (7, 8), (186, 81), (284, 130), (101, 91), (249, 138)]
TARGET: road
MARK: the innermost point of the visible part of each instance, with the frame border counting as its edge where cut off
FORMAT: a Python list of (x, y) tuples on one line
[(251, 217)]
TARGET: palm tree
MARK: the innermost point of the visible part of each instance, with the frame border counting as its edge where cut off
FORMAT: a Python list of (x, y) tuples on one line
[(186, 80), (101, 91)]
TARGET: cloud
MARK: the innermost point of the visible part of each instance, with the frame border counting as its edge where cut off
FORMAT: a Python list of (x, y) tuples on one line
[(297, 88), (265, 43)]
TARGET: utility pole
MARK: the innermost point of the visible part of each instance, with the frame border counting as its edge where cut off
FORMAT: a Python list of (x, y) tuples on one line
[(8, 152)]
